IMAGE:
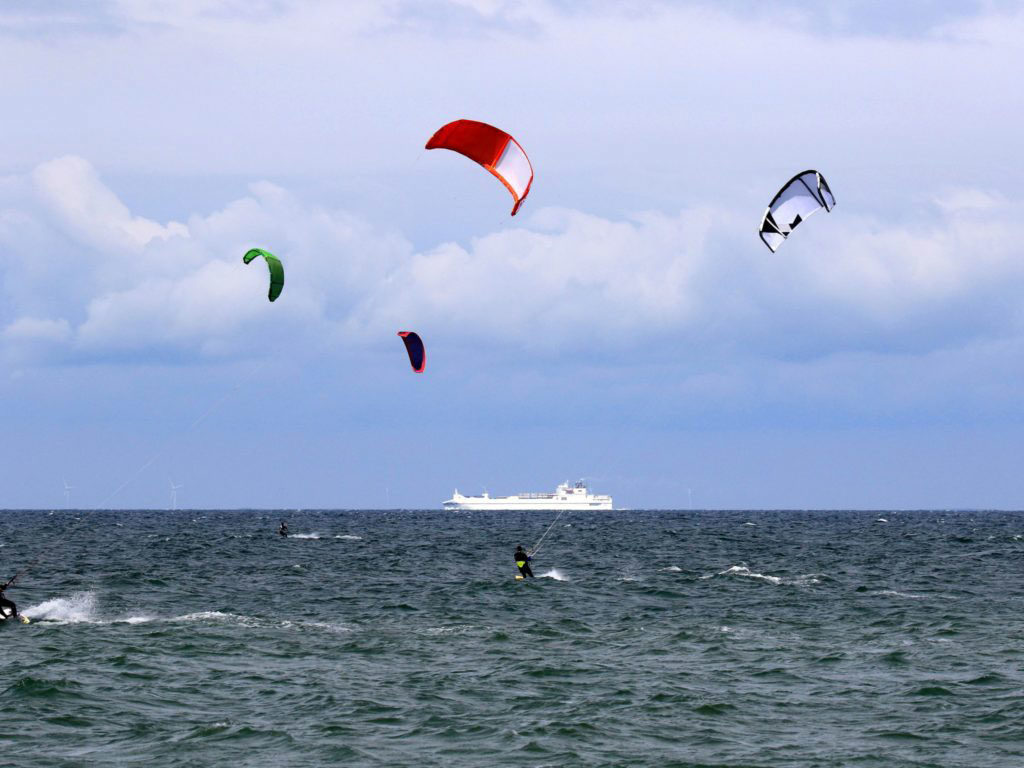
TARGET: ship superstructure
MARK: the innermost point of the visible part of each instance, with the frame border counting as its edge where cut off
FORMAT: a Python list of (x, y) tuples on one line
[(566, 496)]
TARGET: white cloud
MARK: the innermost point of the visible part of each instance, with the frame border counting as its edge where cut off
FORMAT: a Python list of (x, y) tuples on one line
[(72, 191), (36, 329), (695, 285)]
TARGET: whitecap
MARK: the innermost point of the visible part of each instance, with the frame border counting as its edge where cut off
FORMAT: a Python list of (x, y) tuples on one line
[(321, 625), (742, 570), (313, 535), (219, 616), (807, 578), (671, 569), (894, 593), (881, 520), (799, 581), (349, 537), (454, 629), (555, 574)]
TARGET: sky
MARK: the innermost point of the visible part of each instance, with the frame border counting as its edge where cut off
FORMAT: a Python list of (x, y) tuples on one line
[(626, 326)]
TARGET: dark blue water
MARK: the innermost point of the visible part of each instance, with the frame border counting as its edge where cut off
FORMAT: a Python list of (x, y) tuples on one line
[(402, 639)]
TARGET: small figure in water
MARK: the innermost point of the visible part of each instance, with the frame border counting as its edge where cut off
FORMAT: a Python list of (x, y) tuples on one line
[(283, 530), (5, 603), (523, 561)]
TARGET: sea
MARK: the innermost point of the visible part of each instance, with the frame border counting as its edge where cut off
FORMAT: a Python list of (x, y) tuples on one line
[(401, 638)]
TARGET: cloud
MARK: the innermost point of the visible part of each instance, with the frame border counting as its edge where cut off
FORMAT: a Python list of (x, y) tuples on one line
[(624, 106), (695, 286), (91, 213), (130, 287), (36, 329)]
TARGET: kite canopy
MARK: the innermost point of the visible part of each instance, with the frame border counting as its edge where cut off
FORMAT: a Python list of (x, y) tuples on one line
[(804, 194), (492, 148), (276, 270), (414, 346)]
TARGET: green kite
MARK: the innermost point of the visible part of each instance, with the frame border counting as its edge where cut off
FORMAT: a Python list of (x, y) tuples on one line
[(276, 270)]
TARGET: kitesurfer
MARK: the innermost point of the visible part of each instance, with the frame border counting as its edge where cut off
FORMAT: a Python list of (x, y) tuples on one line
[(5, 603), (283, 530), (523, 561)]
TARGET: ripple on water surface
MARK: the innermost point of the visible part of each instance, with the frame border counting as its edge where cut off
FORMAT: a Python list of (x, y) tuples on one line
[(402, 638)]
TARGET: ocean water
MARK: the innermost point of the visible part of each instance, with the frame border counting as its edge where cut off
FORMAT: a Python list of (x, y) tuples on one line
[(400, 638)]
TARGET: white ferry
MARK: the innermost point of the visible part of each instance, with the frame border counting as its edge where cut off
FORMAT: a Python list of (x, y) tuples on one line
[(575, 497)]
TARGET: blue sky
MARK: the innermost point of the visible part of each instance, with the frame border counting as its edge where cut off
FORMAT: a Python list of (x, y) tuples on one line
[(627, 326)]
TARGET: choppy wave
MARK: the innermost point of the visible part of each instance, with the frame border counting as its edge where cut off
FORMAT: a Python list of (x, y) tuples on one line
[(554, 573), (217, 616), (744, 571), (416, 647), (894, 593)]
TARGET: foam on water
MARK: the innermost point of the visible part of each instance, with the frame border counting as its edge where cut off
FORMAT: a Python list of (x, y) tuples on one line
[(325, 626), (742, 570), (671, 569), (218, 617), (137, 619), (454, 629), (349, 537), (313, 535), (83, 608), (80, 607), (554, 573), (894, 593)]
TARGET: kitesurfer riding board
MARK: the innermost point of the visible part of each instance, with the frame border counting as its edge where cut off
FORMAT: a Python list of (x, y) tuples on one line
[(8, 605), (523, 558)]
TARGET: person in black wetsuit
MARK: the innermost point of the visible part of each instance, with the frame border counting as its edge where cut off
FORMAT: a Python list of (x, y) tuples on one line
[(283, 530), (5, 603), (523, 561)]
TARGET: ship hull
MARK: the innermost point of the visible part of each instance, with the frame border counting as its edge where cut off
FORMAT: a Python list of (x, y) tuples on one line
[(532, 505)]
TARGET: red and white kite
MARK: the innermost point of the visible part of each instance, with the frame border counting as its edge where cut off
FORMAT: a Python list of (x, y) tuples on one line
[(492, 148)]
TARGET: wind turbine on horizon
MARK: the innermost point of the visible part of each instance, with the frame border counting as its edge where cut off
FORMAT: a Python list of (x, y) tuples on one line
[(174, 493), (67, 494)]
